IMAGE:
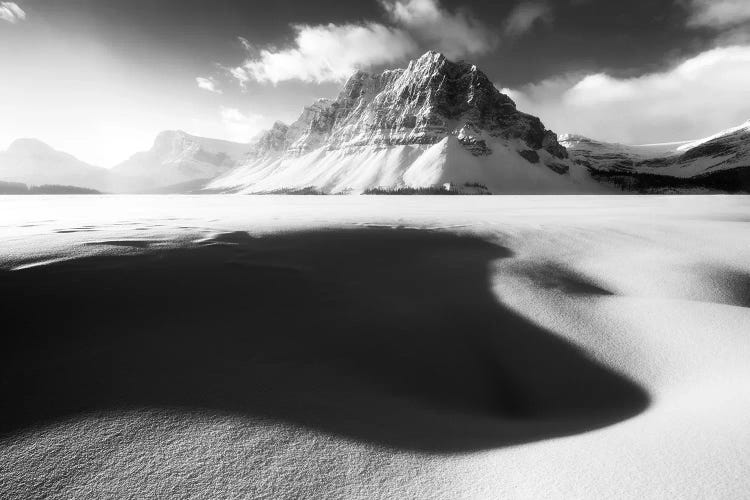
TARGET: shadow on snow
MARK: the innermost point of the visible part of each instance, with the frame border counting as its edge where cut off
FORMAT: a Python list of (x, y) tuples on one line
[(386, 336)]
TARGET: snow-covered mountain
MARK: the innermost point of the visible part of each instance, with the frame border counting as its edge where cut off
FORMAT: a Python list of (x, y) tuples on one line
[(178, 158), (720, 162), (33, 162), (433, 123), (177, 162)]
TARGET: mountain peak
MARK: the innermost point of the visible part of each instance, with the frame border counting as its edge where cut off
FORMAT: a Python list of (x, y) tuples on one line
[(423, 103), (171, 134), (431, 56), (446, 113), (28, 145), (433, 62)]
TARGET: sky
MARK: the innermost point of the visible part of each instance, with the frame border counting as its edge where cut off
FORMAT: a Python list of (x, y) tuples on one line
[(100, 78)]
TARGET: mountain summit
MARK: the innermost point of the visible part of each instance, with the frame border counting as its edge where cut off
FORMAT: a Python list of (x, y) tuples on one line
[(431, 123)]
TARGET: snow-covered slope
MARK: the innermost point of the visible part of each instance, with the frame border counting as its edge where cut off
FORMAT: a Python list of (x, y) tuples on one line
[(725, 155), (30, 161), (434, 122), (177, 157)]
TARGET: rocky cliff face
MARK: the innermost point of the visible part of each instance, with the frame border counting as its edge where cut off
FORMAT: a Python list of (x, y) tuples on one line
[(390, 120), (431, 99)]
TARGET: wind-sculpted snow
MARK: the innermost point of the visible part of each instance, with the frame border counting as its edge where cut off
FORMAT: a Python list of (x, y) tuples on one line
[(400, 116), (366, 348)]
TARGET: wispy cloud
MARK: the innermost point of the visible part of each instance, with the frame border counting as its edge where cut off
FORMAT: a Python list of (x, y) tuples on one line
[(719, 13), (209, 84), (11, 12), (327, 53), (332, 52), (698, 96), (241, 127), (525, 15), (453, 33)]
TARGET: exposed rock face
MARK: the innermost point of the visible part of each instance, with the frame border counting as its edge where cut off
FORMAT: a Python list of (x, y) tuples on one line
[(271, 142), (429, 100), (434, 122)]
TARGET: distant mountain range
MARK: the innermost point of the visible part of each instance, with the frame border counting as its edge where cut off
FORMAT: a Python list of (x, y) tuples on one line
[(720, 162), (177, 158), (177, 162), (434, 126), (29, 161)]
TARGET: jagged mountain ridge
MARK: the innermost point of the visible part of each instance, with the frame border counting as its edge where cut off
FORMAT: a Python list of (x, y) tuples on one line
[(434, 122), (720, 162), (431, 123), (177, 162)]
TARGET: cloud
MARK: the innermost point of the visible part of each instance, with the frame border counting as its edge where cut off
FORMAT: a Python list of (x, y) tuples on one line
[(239, 127), (453, 34), (332, 52), (209, 84), (245, 43), (525, 15), (718, 13), (699, 96), (11, 12), (327, 53)]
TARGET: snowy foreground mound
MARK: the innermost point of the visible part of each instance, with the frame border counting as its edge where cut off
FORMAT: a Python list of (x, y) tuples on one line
[(343, 347)]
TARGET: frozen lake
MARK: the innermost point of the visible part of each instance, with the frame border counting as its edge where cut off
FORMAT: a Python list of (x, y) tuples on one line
[(375, 347)]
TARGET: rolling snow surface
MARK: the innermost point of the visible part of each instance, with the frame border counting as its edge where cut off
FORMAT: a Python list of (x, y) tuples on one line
[(646, 296)]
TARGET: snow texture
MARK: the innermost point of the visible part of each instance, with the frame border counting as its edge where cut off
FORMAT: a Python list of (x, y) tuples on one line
[(644, 298)]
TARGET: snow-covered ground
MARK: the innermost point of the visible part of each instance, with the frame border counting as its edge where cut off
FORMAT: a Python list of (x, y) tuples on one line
[(375, 347)]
